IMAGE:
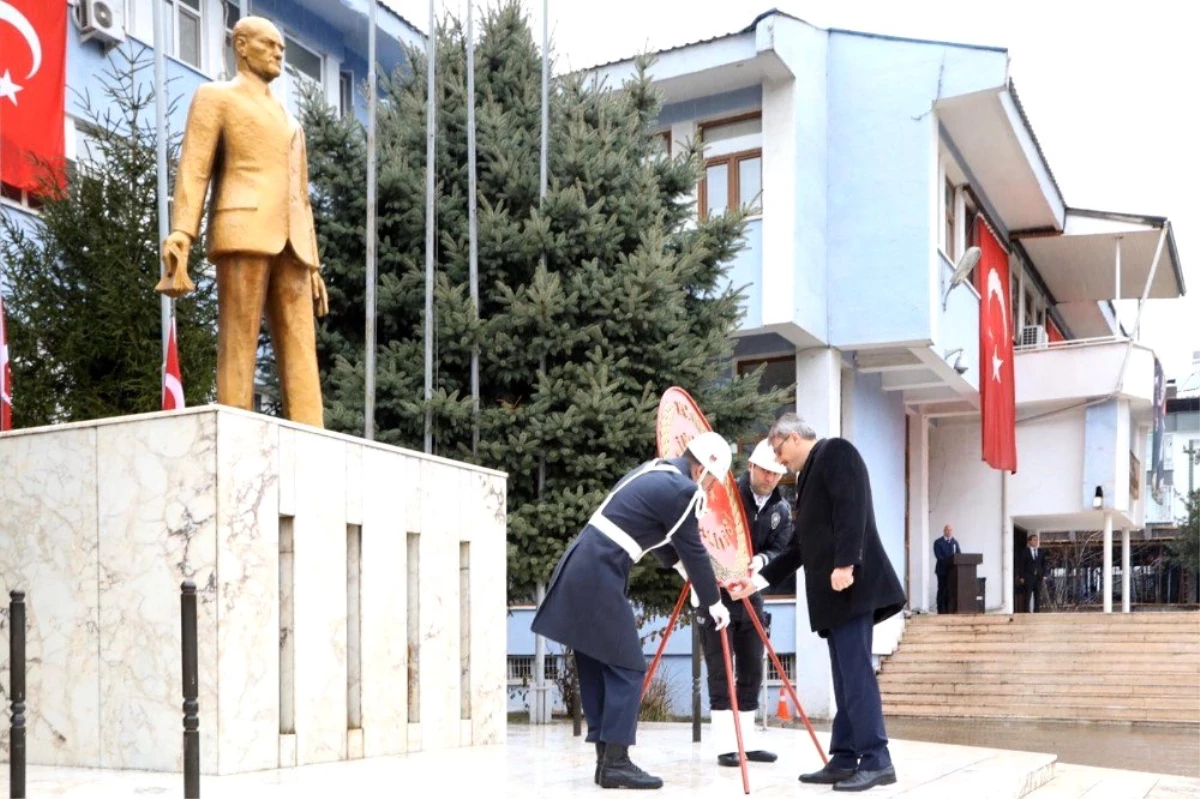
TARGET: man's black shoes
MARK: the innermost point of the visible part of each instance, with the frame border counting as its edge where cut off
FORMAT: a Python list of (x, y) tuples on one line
[(830, 775), (865, 780)]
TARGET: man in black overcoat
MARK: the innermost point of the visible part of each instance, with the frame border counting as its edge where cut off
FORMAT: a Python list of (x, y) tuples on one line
[(1031, 571), (850, 585), (654, 508)]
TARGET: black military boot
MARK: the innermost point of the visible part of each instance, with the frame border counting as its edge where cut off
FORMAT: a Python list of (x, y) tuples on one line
[(599, 760), (618, 771)]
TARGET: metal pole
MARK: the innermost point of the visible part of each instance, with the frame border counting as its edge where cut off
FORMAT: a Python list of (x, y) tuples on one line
[(695, 679), (537, 710), (369, 398), (160, 156), (16, 692), (191, 706), (472, 223), (430, 165)]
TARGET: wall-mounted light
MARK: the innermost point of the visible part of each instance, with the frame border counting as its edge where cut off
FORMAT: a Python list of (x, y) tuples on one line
[(1098, 499), (969, 260), (959, 366)]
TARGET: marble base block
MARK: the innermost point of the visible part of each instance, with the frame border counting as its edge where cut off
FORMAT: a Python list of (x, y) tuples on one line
[(351, 595)]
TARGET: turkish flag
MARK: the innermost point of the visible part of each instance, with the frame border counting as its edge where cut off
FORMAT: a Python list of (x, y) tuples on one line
[(997, 392), (33, 83), (172, 386)]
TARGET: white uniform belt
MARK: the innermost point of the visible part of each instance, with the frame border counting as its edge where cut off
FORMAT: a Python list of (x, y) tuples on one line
[(622, 538)]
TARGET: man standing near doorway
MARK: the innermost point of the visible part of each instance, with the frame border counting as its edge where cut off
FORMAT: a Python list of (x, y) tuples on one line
[(850, 585), (944, 549), (1031, 570)]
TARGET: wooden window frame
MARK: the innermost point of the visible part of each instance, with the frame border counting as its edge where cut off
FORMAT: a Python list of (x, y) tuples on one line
[(733, 160)]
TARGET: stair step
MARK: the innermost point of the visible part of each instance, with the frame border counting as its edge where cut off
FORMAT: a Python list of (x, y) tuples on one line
[(890, 685), (1009, 635), (1016, 666), (1046, 711), (1094, 647), (1177, 704)]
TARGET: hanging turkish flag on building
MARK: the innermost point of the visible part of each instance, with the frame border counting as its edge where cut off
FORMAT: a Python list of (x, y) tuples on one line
[(997, 392), (172, 383), (33, 81), (5, 374)]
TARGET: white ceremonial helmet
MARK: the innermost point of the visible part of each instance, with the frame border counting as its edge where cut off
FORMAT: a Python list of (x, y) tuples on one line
[(764, 456), (713, 453)]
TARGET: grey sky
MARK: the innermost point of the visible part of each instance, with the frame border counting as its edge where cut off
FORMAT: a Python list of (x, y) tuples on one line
[(1108, 93)]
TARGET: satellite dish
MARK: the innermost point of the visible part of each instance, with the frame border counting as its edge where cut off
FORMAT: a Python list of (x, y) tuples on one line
[(968, 261)]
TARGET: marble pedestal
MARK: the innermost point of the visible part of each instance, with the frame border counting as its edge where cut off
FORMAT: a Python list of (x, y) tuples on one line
[(351, 594)]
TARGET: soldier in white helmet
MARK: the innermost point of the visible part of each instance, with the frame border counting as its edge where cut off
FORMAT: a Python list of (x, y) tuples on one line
[(770, 519), (654, 508)]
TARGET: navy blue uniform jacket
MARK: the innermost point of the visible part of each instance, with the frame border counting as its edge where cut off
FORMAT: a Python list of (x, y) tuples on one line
[(585, 606)]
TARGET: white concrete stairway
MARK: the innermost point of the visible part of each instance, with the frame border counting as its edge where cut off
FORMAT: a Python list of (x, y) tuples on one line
[(1139, 667)]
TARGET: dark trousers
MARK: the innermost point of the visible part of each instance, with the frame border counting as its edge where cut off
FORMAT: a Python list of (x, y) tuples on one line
[(1028, 598), (746, 649), (858, 739), (943, 594), (611, 697)]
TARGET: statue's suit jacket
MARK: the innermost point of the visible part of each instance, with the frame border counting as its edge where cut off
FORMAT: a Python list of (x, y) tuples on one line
[(253, 152)]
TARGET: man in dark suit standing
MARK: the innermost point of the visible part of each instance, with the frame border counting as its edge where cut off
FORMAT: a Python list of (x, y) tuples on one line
[(850, 586), (944, 549), (1031, 570)]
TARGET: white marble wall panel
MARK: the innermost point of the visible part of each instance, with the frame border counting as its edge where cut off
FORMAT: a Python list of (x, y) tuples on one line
[(247, 713), (320, 598), (384, 604), (489, 605), (441, 503), (48, 550), (104, 520), (156, 505)]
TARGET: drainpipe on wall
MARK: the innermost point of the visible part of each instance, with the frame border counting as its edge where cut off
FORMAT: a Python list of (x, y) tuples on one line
[(1006, 547)]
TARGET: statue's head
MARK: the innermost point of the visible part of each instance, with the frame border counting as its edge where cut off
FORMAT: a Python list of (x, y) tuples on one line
[(259, 47)]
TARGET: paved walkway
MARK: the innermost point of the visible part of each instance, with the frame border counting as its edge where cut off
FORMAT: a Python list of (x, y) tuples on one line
[(548, 761)]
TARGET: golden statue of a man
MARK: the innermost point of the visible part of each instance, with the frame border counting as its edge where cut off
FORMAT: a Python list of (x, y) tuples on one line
[(240, 139)]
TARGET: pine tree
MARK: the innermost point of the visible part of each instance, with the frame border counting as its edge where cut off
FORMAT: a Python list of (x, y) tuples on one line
[(575, 352), (84, 321)]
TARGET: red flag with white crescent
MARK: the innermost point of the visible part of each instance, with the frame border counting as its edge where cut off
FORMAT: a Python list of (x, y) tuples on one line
[(997, 391), (33, 82), (172, 386), (5, 374)]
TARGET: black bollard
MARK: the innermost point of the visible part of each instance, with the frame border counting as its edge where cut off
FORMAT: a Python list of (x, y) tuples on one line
[(16, 692), (191, 706)]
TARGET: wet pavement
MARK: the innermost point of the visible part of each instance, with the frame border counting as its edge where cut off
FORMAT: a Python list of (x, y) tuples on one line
[(1160, 749)]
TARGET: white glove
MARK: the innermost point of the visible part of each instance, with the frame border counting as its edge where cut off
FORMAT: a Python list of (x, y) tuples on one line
[(679, 568), (695, 599), (757, 562), (720, 616)]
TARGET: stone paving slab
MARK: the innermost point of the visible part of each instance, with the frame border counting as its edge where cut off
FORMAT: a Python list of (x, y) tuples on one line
[(1071, 782), (548, 761)]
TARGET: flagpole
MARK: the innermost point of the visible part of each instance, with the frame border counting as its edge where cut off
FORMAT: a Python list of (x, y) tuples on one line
[(160, 158), (472, 223), (430, 222), (369, 400)]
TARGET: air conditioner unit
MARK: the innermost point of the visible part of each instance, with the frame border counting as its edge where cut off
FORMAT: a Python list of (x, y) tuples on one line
[(1033, 336), (102, 20)]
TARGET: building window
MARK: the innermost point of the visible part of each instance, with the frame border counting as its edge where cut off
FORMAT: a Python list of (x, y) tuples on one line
[(950, 230), (22, 199), (183, 20), (233, 13), (789, 665), (345, 94), (521, 668), (733, 167), (301, 67)]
